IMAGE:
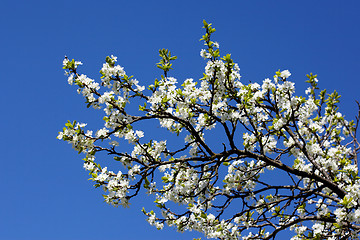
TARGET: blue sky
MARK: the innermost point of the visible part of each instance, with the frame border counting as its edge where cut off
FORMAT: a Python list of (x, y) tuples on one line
[(45, 192)]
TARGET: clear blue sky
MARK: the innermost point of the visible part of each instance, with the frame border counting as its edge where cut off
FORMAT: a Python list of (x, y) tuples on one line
[(45, 193)]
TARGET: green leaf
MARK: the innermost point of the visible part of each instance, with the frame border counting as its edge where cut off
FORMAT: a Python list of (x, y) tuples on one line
[(147, 183), (165, 179), (337, 225)]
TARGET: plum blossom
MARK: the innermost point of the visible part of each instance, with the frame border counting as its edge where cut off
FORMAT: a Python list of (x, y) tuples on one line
[(241, 161)]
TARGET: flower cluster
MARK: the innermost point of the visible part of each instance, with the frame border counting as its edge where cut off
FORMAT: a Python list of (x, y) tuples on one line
[(263, 132)]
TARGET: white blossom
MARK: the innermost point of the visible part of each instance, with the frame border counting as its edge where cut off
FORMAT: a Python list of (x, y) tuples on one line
[(226, 191)]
